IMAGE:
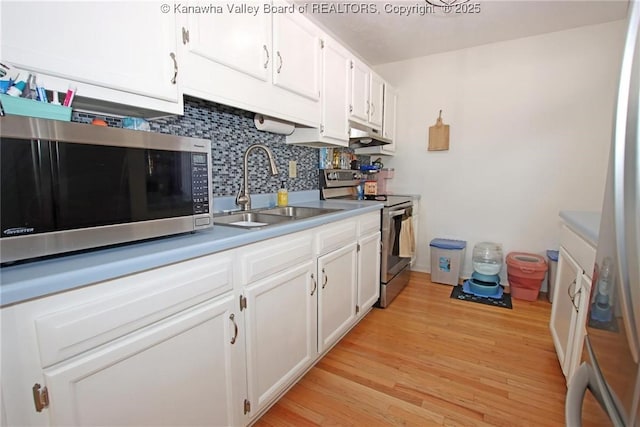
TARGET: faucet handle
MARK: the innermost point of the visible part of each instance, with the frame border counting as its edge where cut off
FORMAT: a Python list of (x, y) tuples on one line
[(243, 200)]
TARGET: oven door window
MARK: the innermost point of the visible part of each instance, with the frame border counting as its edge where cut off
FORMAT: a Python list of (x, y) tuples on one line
[(101, 185)]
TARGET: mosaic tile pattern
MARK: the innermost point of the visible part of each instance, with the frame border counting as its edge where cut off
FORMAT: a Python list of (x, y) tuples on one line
[(231, 132)]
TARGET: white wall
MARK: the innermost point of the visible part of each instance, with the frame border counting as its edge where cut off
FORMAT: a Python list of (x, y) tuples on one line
[(530, 134)]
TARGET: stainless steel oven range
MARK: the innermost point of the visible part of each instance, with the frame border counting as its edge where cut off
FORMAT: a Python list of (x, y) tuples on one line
[(341, 184)]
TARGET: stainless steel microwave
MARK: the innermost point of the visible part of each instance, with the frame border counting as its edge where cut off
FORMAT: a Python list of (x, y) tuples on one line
[(70, 186)]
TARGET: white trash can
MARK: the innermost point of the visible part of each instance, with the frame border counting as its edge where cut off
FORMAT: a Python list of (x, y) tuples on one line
[(447, 257)]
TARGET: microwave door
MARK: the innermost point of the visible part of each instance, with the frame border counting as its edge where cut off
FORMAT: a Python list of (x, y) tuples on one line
[(99, 185), (167, 184), (91, 185), (26, 188)]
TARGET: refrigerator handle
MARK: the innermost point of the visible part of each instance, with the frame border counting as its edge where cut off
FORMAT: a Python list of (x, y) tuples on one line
[(584, 378), (588, 376)]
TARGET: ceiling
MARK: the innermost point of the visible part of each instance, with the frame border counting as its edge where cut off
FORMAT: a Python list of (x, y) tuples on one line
[(385, 35)]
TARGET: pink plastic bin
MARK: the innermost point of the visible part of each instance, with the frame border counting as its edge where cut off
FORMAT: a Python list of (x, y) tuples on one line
[(525, 272)]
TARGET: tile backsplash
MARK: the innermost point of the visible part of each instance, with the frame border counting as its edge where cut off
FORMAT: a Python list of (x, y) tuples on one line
[(231, 132)]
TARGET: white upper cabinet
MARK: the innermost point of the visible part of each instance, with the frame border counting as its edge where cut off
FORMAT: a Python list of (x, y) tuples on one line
[(367, 95), (335, 95), (389, 116), (334, 124), (112, 52), (248, 57), (376, 96), (359, 106), (240, 41), (296, 55)]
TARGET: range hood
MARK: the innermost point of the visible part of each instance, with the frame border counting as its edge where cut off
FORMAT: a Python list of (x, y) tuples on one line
[(364, 136)]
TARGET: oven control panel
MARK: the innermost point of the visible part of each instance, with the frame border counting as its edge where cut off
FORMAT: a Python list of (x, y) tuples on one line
[(340, 177)]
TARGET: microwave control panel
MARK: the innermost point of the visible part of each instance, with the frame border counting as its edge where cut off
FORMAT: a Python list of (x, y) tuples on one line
[(200, 183)]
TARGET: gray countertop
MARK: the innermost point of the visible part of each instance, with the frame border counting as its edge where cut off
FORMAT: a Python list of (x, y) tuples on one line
[(585, 223), (35, 279)]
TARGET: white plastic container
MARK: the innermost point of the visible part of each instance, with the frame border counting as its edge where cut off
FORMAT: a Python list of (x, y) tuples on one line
[(487, 258), (446, 259)]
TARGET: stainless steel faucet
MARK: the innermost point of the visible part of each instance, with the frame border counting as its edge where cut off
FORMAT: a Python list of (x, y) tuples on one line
[(244, 199)]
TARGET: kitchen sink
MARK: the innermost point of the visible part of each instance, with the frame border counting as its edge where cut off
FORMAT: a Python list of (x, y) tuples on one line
[(270, 216), (298, 212), (250, 219)]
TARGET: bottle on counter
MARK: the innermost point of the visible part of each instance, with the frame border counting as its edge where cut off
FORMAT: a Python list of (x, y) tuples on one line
[(283, 196)]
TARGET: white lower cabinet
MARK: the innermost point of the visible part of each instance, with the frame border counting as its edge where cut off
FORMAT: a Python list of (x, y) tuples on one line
[(571, 300), (161, 347), (337, 297), (281, 323), (368, 272), (177, 372), (563, 313), (213, 340)]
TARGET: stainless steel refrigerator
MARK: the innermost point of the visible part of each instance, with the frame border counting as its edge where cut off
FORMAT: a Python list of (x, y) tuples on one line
[(610, 369)]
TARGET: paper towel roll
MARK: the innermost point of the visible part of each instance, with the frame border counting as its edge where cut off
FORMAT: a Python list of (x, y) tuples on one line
[(270, 124)]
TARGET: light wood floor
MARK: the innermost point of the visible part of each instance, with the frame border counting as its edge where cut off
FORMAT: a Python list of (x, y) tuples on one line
[(431, 360)]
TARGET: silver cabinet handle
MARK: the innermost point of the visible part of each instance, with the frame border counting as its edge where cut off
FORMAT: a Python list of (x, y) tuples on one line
[(572, 295), (573, 300), (368, 107), (175, 68), (279, 62), (235, 328), (326, 279), (266, 51), (373, 108), (315, 285)]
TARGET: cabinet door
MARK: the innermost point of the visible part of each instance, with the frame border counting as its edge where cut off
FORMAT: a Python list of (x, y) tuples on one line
[(337, 298), (335, 91), (368, 271), (239, 40), (581, 304), (281, 321), (105, 44), (376, 96), (296, 51), (185, 370), (389, 119), (359, 107), (563, 311)]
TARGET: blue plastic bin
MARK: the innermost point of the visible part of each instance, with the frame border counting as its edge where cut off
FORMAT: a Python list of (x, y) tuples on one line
[(447, 257)]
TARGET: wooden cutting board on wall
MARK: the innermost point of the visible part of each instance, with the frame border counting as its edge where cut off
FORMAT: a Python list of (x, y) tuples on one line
[(439, 135)]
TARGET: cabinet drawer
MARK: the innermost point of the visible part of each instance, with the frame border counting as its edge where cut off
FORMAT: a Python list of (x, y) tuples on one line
[(266, 258), (145, 298), (335, 236), (369, 223), (578, 248)]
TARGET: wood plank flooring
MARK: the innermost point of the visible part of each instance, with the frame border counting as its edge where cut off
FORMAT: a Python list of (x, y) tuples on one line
[(431, 360)]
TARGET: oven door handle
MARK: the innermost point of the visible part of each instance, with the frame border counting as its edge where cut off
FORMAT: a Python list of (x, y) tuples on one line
[(396, 213)]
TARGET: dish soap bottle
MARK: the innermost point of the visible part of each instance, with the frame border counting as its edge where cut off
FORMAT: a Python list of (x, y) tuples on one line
[(283, 196)]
